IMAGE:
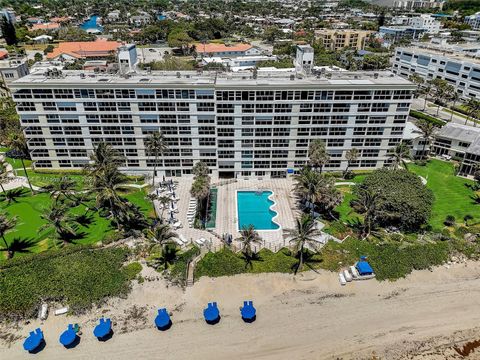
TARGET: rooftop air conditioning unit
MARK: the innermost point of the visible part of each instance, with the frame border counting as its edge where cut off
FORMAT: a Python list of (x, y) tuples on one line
[(179, 75), (375, 75), (292, 77)]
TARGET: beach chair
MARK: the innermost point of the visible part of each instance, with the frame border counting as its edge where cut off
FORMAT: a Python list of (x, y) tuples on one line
[(354, 272), (342, 280), (347, 275)]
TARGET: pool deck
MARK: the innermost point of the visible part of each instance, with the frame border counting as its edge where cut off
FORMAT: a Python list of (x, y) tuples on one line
[(285, 206), (226, 219)]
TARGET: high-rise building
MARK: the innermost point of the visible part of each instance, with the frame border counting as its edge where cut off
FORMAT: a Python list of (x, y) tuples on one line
[(239, 124)]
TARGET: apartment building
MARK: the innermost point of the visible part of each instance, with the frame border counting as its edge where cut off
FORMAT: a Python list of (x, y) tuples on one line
[(473, 21), (460, 70), (460, 142), (240, 124), (339, 39), (425, 21)]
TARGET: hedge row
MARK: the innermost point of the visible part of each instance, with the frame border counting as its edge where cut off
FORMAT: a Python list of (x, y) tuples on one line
[(422, 116), (78, 277)]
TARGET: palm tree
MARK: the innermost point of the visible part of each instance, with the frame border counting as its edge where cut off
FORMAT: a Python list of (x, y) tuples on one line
[(368, 203), (18, 142), (351, 155), (156, 144), (427, 129), (398, 154), (166, 258), (162, 234), (6, 225), (3, 176), (453, 97), (249, 237), (306, 185), (60, 221), (473, 110), (201, 191), (303, 235), (65, 188), (103, 156), (318, 154), (200, 169), (164, 201)]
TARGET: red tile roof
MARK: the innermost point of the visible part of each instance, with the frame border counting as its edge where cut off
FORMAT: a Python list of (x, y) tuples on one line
[(45, 26), (85, 49), (217, 48)]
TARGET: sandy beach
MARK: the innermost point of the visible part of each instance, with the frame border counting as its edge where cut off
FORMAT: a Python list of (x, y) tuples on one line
[(305, 317)]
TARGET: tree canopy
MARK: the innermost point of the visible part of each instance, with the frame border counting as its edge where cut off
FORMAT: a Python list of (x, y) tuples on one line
[(402, 200)]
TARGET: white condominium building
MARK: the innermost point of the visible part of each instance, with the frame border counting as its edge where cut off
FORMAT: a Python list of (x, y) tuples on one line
[(240, 124), (460, 70)]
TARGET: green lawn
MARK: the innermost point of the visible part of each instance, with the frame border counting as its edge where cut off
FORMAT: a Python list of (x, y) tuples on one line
[(452, 196), (28, 208)]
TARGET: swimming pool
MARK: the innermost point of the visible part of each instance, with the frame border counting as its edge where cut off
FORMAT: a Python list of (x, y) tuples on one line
[(253, 208)]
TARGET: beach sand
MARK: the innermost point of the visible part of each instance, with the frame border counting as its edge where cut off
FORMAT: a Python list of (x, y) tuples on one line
[(309, 316)]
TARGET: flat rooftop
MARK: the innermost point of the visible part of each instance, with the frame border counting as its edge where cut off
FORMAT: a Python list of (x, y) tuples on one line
[(242, 78), (450, 53)]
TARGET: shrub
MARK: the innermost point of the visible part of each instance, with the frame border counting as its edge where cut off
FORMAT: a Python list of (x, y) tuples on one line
[(132, 270), (389, 260), (422, 116), (178, 271), (449, 220), (77, 276), (403, 201), (112, 236)]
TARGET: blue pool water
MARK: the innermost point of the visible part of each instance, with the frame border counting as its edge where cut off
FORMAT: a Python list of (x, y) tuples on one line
[(254, 209), (91, 23)]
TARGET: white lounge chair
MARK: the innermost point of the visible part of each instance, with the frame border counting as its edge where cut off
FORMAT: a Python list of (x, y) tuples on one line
[(342, 280), (347, 275), (200, 241), (183, 239), (354, 272)]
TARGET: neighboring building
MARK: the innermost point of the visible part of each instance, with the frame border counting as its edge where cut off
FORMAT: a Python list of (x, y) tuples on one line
[(113, 15), (222, 50), (141, 19), (304, 60), (425, 21), (239, 124), (50, 26), (473, 21), (127, 57), (418, 4), (413, 137), (461, 142), (92, 50), (461, 71), (470, 35), (339, 39), (12, 69), (239, 63), (394, 33), (10, 15)]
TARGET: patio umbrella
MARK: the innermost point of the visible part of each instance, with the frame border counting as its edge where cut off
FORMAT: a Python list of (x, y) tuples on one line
[(211, 313), (248, 312), (68, 336), (163, 321), (33, 341), (103, 329)]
